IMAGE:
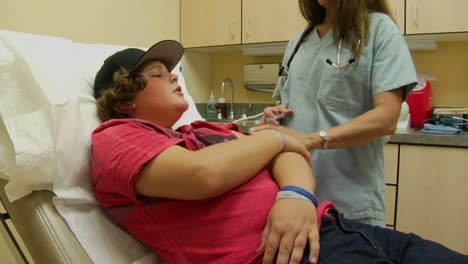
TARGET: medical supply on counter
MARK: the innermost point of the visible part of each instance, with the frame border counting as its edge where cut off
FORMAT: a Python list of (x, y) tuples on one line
[(404, 120), (441, 130), (455, 116), (212, 108), (452, 120), (222, 114), (443, 120), (420, 102)]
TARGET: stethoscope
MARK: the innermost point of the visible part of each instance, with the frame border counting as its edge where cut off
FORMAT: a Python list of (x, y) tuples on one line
[(339, 65), (284, 69)]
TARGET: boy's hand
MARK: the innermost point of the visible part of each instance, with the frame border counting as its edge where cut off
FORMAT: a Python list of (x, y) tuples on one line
[(291, 224)]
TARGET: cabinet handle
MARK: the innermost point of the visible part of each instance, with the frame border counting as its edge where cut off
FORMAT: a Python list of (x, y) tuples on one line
[(416, 14), (233, 29), (247, 23), (395, 13)]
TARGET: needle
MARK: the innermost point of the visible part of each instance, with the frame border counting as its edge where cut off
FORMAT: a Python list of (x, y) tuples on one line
[(269, 119)]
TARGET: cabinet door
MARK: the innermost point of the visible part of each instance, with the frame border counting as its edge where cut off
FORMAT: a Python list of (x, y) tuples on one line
[(391, 163), (435, 16), (390, 203), (210, 22), (397, 7), (270, 20), (391, 173), (432, 196)]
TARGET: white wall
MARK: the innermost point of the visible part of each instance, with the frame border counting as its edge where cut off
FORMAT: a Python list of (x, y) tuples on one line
[(122, 22)]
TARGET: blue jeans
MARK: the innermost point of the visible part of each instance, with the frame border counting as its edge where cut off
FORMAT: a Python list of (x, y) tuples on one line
[(343, 241)]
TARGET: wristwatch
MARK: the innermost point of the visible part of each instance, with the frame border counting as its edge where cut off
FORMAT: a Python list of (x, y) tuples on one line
[(324, 135)]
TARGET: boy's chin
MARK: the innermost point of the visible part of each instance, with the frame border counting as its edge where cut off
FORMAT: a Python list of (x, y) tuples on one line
[(184, 106)]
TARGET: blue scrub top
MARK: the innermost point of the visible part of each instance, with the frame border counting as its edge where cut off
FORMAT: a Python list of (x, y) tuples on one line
[(323, 97)]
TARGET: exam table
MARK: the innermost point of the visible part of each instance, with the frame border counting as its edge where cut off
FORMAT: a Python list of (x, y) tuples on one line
[(44, 232)]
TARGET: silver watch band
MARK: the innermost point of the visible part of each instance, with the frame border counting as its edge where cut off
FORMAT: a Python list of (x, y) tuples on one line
[(324, 135)]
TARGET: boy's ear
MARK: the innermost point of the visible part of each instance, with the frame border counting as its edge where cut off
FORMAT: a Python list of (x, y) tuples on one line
[(126, 106)]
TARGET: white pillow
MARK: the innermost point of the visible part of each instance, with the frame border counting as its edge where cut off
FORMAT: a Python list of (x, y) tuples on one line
[(47, 112), (37, 74)]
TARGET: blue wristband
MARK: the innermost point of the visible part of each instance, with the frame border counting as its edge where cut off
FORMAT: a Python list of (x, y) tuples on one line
[(302, 191)]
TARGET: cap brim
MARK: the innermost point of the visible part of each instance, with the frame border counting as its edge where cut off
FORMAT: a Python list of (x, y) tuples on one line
[(169, 52)]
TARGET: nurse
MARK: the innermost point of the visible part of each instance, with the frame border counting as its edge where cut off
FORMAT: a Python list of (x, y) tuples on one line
[(342, 83)]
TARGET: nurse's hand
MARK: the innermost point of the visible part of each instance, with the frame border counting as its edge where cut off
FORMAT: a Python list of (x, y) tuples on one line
[(292, 224), (310, 141), (271, 111)]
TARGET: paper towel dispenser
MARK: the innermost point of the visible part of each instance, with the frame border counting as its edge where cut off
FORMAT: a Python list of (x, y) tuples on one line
[(261, 77)]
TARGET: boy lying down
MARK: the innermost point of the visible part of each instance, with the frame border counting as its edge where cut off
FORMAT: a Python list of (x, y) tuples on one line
[(205, 193)]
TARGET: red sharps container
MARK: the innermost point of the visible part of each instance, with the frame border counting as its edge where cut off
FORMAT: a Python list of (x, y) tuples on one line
[(420, 102)]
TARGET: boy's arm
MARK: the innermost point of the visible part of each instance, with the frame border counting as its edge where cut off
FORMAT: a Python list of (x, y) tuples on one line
[(292, 222), (179, 173)]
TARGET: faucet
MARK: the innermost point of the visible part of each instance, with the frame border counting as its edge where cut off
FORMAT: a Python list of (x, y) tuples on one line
[(228, 80)]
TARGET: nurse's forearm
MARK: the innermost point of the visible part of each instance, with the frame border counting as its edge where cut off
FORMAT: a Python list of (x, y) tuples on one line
[(378, 122), (358, 131)]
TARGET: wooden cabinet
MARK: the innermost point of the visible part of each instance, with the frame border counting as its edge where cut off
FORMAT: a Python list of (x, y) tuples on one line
[(391, 175), (210, 22), (391, 163), (430, 16), (432, 195), (207, 23), (390, 203), (435, 16), (397, 7), (270, 20), (227, 22)]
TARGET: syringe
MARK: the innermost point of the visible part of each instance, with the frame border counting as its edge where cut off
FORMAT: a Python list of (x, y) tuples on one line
[(269, 119)]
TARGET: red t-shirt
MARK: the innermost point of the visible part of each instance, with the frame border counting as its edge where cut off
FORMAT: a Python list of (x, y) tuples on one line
[(223, 229)]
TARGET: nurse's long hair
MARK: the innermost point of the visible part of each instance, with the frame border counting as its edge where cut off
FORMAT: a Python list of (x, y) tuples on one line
[(349, 19)]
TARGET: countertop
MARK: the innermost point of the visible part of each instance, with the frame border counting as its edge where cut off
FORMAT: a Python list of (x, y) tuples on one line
[(412, 137), (418, 138)]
